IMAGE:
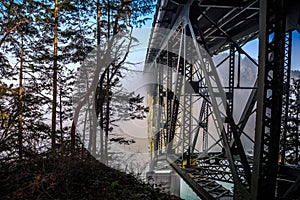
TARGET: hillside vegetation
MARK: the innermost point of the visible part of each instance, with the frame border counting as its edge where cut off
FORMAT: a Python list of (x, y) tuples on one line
[(71, 177)]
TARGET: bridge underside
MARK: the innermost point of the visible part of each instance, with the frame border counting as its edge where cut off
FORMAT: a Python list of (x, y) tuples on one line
[(205, 115)]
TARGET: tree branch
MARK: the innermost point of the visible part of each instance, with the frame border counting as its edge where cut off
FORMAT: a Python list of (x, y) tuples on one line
[(12, 29)]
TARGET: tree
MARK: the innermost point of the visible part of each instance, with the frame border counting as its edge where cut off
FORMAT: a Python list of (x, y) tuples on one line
[(55, 69), (72, 28), (20, 105), (29, 32), (62, 27), (120, 22), (293, 124), (39, 40), (115, 21)]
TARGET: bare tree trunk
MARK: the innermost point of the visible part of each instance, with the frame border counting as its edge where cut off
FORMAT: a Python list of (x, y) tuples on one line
[(107, 120), (90, 133), (107, 90), (20, 125), (101, 108), (61, 119), (55, 69), (98, 63), (94, 128), (101, 135), (86, 113)]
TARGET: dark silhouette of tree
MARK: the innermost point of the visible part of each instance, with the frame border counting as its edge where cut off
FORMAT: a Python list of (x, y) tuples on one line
[(121, 17), (115, 22), (39, 41), (37, 72), (292, 141), (23, 127)]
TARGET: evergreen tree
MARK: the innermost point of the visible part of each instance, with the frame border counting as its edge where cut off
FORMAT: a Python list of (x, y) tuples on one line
[(120, 18), (24, 129), (39, 42), (292, 141), (27, 39), (115, 22)]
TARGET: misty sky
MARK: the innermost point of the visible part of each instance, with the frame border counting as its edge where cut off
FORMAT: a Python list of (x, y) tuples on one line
[(135, 79)]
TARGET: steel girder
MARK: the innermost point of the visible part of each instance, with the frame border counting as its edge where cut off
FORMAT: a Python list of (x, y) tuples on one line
[(286, 94), (181, 105), (269, 101), (180, 126)]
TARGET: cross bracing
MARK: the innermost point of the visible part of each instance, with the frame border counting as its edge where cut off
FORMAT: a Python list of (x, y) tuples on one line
[(196, 128)]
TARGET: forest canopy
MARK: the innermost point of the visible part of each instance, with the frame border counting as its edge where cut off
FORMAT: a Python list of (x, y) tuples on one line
[(41, 96)]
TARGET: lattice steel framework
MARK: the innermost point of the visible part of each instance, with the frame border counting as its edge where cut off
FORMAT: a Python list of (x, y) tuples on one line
[(270, 92), (286, 94), (192, 99)]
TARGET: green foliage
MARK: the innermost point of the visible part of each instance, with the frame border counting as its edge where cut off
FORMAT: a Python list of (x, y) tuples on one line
[(114, 184)]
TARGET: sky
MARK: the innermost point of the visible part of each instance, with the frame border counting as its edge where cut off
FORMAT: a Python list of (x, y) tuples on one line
[(252, 48), (296, 51), (135, 79), (138, 54)]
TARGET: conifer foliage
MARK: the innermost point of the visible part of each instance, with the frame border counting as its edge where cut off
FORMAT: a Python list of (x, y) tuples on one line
[(292, 137), (41, 44)]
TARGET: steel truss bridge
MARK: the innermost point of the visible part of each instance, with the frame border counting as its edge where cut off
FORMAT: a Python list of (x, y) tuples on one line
[(195, 125)]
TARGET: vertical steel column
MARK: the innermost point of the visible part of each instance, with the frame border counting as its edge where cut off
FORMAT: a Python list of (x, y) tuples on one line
[(156, 113), (297, 122), (229, 94), (186, 101), (163, 95), (169, 93), (220, 111), (159, 134), (176, 96), (176, 100), (286, 93), (239, 71), (187, 98), (205, 127), (269, 102), (202, 124), (298, 126), (187, 116)]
